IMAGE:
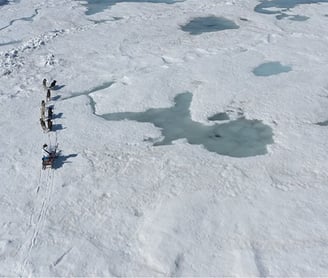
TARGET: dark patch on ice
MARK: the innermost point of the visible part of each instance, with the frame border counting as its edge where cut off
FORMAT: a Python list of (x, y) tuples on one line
[(236, 138), (292, 17), (271, 68), (28, 18), (265, 7), (62, 159), (299, 18), (61, 257), (177, 266), (201, 25), (3, 2), (282, 16), (97, 6), (9, 43), (219, 117), (115, 18), (6, 2), (278, 7), (325, 123)]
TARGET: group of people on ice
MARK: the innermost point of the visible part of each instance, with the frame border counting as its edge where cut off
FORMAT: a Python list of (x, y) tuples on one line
[(46, 124)]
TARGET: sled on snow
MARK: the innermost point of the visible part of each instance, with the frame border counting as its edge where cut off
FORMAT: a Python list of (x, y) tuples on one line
[(48, 161)]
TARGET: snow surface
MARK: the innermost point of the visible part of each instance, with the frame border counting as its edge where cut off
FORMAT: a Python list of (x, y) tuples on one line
[(114, 204)]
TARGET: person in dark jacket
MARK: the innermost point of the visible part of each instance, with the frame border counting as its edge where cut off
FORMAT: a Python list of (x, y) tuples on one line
[(43, 124), (45, 149), (48, 95), (50, 113), (43, 109), (53, 84), (49, 123)]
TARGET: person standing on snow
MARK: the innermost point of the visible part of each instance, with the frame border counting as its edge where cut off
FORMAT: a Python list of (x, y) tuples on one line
[(48, 95), (43, 109), (43, 124), (53, 84), (49, 123), (50, 113), (45, 149)]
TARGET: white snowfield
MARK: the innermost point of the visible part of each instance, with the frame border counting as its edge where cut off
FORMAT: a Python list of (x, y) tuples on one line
[(115, 204)]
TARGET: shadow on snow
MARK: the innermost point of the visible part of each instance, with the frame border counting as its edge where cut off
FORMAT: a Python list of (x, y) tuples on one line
[(62, 159), (58, 87)]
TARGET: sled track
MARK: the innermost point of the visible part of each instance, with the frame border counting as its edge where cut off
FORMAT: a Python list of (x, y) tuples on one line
[(37, 220), (44, 191), (48, 190)]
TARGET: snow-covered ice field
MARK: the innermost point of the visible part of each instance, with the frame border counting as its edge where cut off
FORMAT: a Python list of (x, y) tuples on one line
[(193, 138)]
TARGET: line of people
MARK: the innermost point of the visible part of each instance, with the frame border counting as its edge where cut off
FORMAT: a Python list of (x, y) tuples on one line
[(46, 122), (50, 152)]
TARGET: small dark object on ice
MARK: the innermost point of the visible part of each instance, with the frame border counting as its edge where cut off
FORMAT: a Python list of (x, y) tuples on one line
[(44, 82), (48, 95), (53, 84)]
